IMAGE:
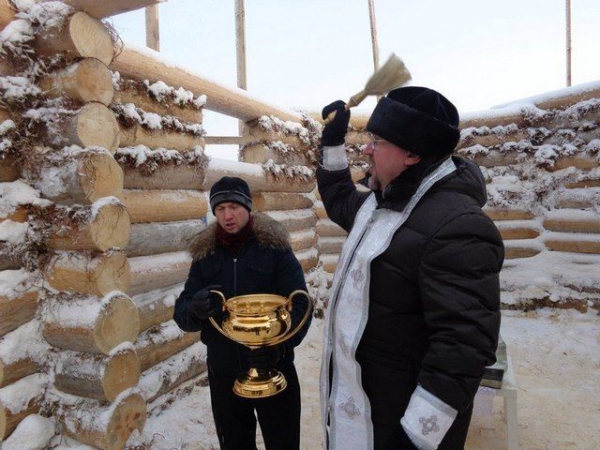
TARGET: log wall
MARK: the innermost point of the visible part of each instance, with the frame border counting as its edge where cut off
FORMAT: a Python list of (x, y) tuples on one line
[(118, 182)]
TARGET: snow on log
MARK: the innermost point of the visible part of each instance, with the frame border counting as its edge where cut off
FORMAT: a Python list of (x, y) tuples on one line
[(583, 184), (149, 273), (164, 205), (302, 240), (308, 258), (141, 63), (578, 162), (162, 237), (161, 342), (560, 98), (330, 245), (107, 8), (508, 214), (82, 37), (18, 400), (22, 353), (277, 152), (105, 427), (80, 177), (573, 242), (272, 201), (139, 135), (129, 95), (295, 220), (573, 221), (106, 227), (520, 229), (98, 376), (522, 248), (578, 198), (156, 307), (16, 307), (165, 376), (88, 80), (258, 178), (94, 125), (89, 274), (327, 228), (329, 262), (89, 324)]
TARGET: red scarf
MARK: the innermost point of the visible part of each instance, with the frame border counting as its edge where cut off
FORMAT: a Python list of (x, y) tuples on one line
[(234, 242)]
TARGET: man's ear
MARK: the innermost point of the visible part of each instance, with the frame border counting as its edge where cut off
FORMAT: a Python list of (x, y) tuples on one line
[(411, 159)]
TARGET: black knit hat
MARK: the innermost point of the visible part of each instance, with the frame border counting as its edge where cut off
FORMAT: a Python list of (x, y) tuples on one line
[(417, 119), (230, 189)]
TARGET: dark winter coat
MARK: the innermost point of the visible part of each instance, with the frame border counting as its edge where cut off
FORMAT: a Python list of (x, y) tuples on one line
[(434, 293), (264, 265)]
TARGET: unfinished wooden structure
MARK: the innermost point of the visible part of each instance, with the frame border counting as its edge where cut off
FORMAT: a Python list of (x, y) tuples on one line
[(111, 146)]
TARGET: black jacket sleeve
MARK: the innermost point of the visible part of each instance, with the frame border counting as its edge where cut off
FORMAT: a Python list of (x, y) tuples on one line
[(340, 197), (460, 292), (182, 316)]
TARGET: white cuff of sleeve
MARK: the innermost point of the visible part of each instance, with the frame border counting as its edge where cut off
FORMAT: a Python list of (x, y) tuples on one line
[(334, 158), (427, 419)]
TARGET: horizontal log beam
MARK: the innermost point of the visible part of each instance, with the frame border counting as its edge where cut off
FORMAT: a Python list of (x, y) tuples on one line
[(149, 273), (17, 309), (153, 347), (88, 80), (146, 64), (108, 325), (164, 205), (284, 201), (172, 140), (93, 275), (97, 376), (162, 237), (168, 108)]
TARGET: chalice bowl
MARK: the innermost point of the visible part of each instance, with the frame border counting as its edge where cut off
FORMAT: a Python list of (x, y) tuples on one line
[(260, 320)]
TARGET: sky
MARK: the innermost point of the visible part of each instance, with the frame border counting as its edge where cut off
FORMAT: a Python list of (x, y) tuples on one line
[(304, 54)]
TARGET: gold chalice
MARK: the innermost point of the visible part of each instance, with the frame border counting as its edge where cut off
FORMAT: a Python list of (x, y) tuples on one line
[(259, 320)]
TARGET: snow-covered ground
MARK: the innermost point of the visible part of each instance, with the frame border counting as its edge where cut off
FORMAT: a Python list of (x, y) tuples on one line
[(556, 357)]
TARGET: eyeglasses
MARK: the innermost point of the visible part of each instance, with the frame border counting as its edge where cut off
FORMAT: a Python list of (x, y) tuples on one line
[(375, 141)]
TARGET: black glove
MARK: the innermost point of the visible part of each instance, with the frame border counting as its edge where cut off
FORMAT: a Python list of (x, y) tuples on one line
[(399, 440), (205, 304), (335, 131), (264, 358)]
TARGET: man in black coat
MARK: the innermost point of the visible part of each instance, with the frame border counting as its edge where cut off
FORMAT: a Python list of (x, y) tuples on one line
[(413, 317), (244, 253)]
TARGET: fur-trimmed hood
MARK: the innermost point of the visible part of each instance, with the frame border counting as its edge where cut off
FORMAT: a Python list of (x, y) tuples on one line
[(267, 231)]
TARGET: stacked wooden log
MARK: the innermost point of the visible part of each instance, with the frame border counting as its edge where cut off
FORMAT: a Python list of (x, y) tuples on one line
[(72, 274)]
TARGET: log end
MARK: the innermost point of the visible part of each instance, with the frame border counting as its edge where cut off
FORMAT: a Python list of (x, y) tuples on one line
[(119, 323), (91, 38), (128, 415), (122, 372), (111, 227), (97, 126), (100, 176)]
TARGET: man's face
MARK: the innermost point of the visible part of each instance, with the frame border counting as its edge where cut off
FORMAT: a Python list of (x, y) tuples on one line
[(232, 217), (387, 162)]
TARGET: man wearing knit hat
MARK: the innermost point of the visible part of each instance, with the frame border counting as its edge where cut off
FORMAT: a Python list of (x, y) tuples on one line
[(413, 317), (244, 253)]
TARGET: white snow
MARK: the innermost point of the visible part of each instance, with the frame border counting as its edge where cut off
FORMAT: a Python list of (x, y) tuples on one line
[(33, 433)]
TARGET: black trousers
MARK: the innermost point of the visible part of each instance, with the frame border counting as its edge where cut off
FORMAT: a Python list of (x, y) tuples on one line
[(235, 419)]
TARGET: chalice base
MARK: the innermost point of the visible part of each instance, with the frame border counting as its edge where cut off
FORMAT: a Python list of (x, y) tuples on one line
[(255, 384)]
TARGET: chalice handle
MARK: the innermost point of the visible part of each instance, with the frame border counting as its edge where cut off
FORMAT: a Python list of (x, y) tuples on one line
[(287, 336), (213, 321)]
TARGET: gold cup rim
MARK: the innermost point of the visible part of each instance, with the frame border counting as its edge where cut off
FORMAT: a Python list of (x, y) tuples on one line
[(255, 302)]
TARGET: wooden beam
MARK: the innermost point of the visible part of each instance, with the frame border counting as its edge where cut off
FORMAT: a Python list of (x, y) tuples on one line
[(145, 64), (107, 8), (152, 28), (7, 13)]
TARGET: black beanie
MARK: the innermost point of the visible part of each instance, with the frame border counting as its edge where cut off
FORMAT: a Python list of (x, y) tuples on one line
[(230, 189), (417, 119)]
